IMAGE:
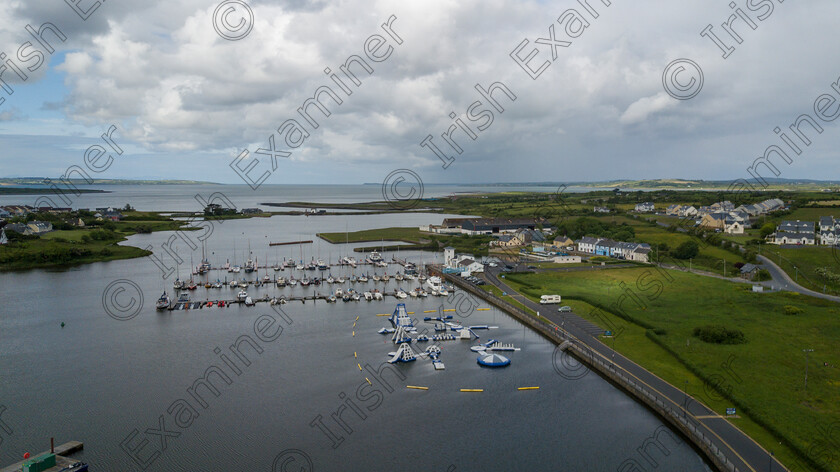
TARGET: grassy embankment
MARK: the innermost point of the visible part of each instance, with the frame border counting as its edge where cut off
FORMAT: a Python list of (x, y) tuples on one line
[(765, 380), (77, 246), (419, 241)]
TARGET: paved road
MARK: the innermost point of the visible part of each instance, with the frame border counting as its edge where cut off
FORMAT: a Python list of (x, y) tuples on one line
[(782, 281), (743, 451)]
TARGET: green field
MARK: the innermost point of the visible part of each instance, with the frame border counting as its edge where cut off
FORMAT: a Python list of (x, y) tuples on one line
[(766, 380), (802, 264), (408, 235), (65, 248)]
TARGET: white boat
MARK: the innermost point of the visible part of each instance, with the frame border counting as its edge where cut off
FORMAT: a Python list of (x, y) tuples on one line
[(363, 278), (340, 280), (386, 278), (400, 293), (355, 296), (331, 299), (368, 296), (163, 302), (375, 257), (299, 266), (305, 282), (233, 284), (399, 276), (242, 295), (435, 284), (236, 269), (376, 278), (249, 301), (381, 264), (330, 279), (377, 295), (281, 282), (292, 281), (339, 293)]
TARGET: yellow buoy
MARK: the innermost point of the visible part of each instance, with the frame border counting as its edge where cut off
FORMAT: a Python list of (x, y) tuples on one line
[(472, 389), (368, 381), (360, 366), (528, 388), (416, 387)]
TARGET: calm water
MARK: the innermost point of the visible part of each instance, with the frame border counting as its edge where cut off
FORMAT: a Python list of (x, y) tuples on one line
[(98, 379), (182, 197)]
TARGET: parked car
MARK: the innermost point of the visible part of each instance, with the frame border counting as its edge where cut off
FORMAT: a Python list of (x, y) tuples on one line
[(565, 309)]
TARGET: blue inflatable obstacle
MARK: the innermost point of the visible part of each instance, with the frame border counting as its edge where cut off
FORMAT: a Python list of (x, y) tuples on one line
[(493, 360)]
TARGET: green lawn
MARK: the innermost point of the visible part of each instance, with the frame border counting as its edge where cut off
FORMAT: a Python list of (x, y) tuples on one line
[(409, 235), (807, 260), (767, 373)]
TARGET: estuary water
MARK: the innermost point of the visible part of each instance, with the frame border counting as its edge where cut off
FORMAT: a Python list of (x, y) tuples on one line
[(315, 396)]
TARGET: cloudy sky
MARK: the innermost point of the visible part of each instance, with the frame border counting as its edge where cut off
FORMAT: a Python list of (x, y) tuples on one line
[(186, 101)]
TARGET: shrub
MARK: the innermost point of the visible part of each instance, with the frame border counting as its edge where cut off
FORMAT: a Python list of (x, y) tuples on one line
[(687, 250), (792, 310), (763, 274), (717, 334)]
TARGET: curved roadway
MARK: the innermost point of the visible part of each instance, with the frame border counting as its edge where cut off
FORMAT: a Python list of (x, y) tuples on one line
[(743, 451)]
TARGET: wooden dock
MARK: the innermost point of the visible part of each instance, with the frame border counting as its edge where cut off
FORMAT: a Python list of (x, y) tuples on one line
[(60, 461)]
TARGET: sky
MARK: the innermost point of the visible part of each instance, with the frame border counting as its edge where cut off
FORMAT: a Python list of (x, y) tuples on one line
[(194, 86)]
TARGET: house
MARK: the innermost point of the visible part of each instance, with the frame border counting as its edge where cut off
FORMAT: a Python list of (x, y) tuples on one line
[(715, 221), (468, 265), (792, 238), (510, 241), (587, 244), (605, 247), (3, 238), (796, 227), (18, 228), (829, 238), (19, 210), (566, 259), (827, 223), (640, 254), (645, 207), (673, 210), (598, 209), (4, 213), (563, 242), (687, 211), (531, 236), (39, 227), (724, 206), (256, 211), (748, 271), (735, 227), (77, 222)]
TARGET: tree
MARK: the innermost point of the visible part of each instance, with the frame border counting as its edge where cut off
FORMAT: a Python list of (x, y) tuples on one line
[(687, 250), (767, 229)]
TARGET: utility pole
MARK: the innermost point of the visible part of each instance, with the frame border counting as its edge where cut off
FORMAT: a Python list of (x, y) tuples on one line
[(806, 351)]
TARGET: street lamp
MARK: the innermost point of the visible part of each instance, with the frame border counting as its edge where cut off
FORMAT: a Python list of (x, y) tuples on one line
[(806, 351)]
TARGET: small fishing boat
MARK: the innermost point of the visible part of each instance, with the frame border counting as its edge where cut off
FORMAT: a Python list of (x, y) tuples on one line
[(281, 282), (242, 295), (208, 285), (292, 281), (192, 286), (376, 278), (233, 284), (368, 296), (330, 279), (400, 293), (163, 302), (249, 301), (299, 266), (399, 276), (331, 299), (353, 279), (363, 278), (386, 277), (184, 298), (374, 257), (340, 280), (322, 265), (305, 282), (266, 279), (236, 269), (355, 296), (377, 295), (179, 285)]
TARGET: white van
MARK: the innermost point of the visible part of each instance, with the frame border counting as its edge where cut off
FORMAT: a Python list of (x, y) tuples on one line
[(549, 299)]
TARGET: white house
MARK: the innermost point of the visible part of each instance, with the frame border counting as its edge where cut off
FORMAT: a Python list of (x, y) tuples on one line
[(448, 256), (3, 238), (736, 227), (793, 238), (468, 265), (828, 223), (645, 207), (587, 244), (829, 238)]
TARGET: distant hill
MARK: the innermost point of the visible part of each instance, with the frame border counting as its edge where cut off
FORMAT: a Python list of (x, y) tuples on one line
[(40, 181)]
